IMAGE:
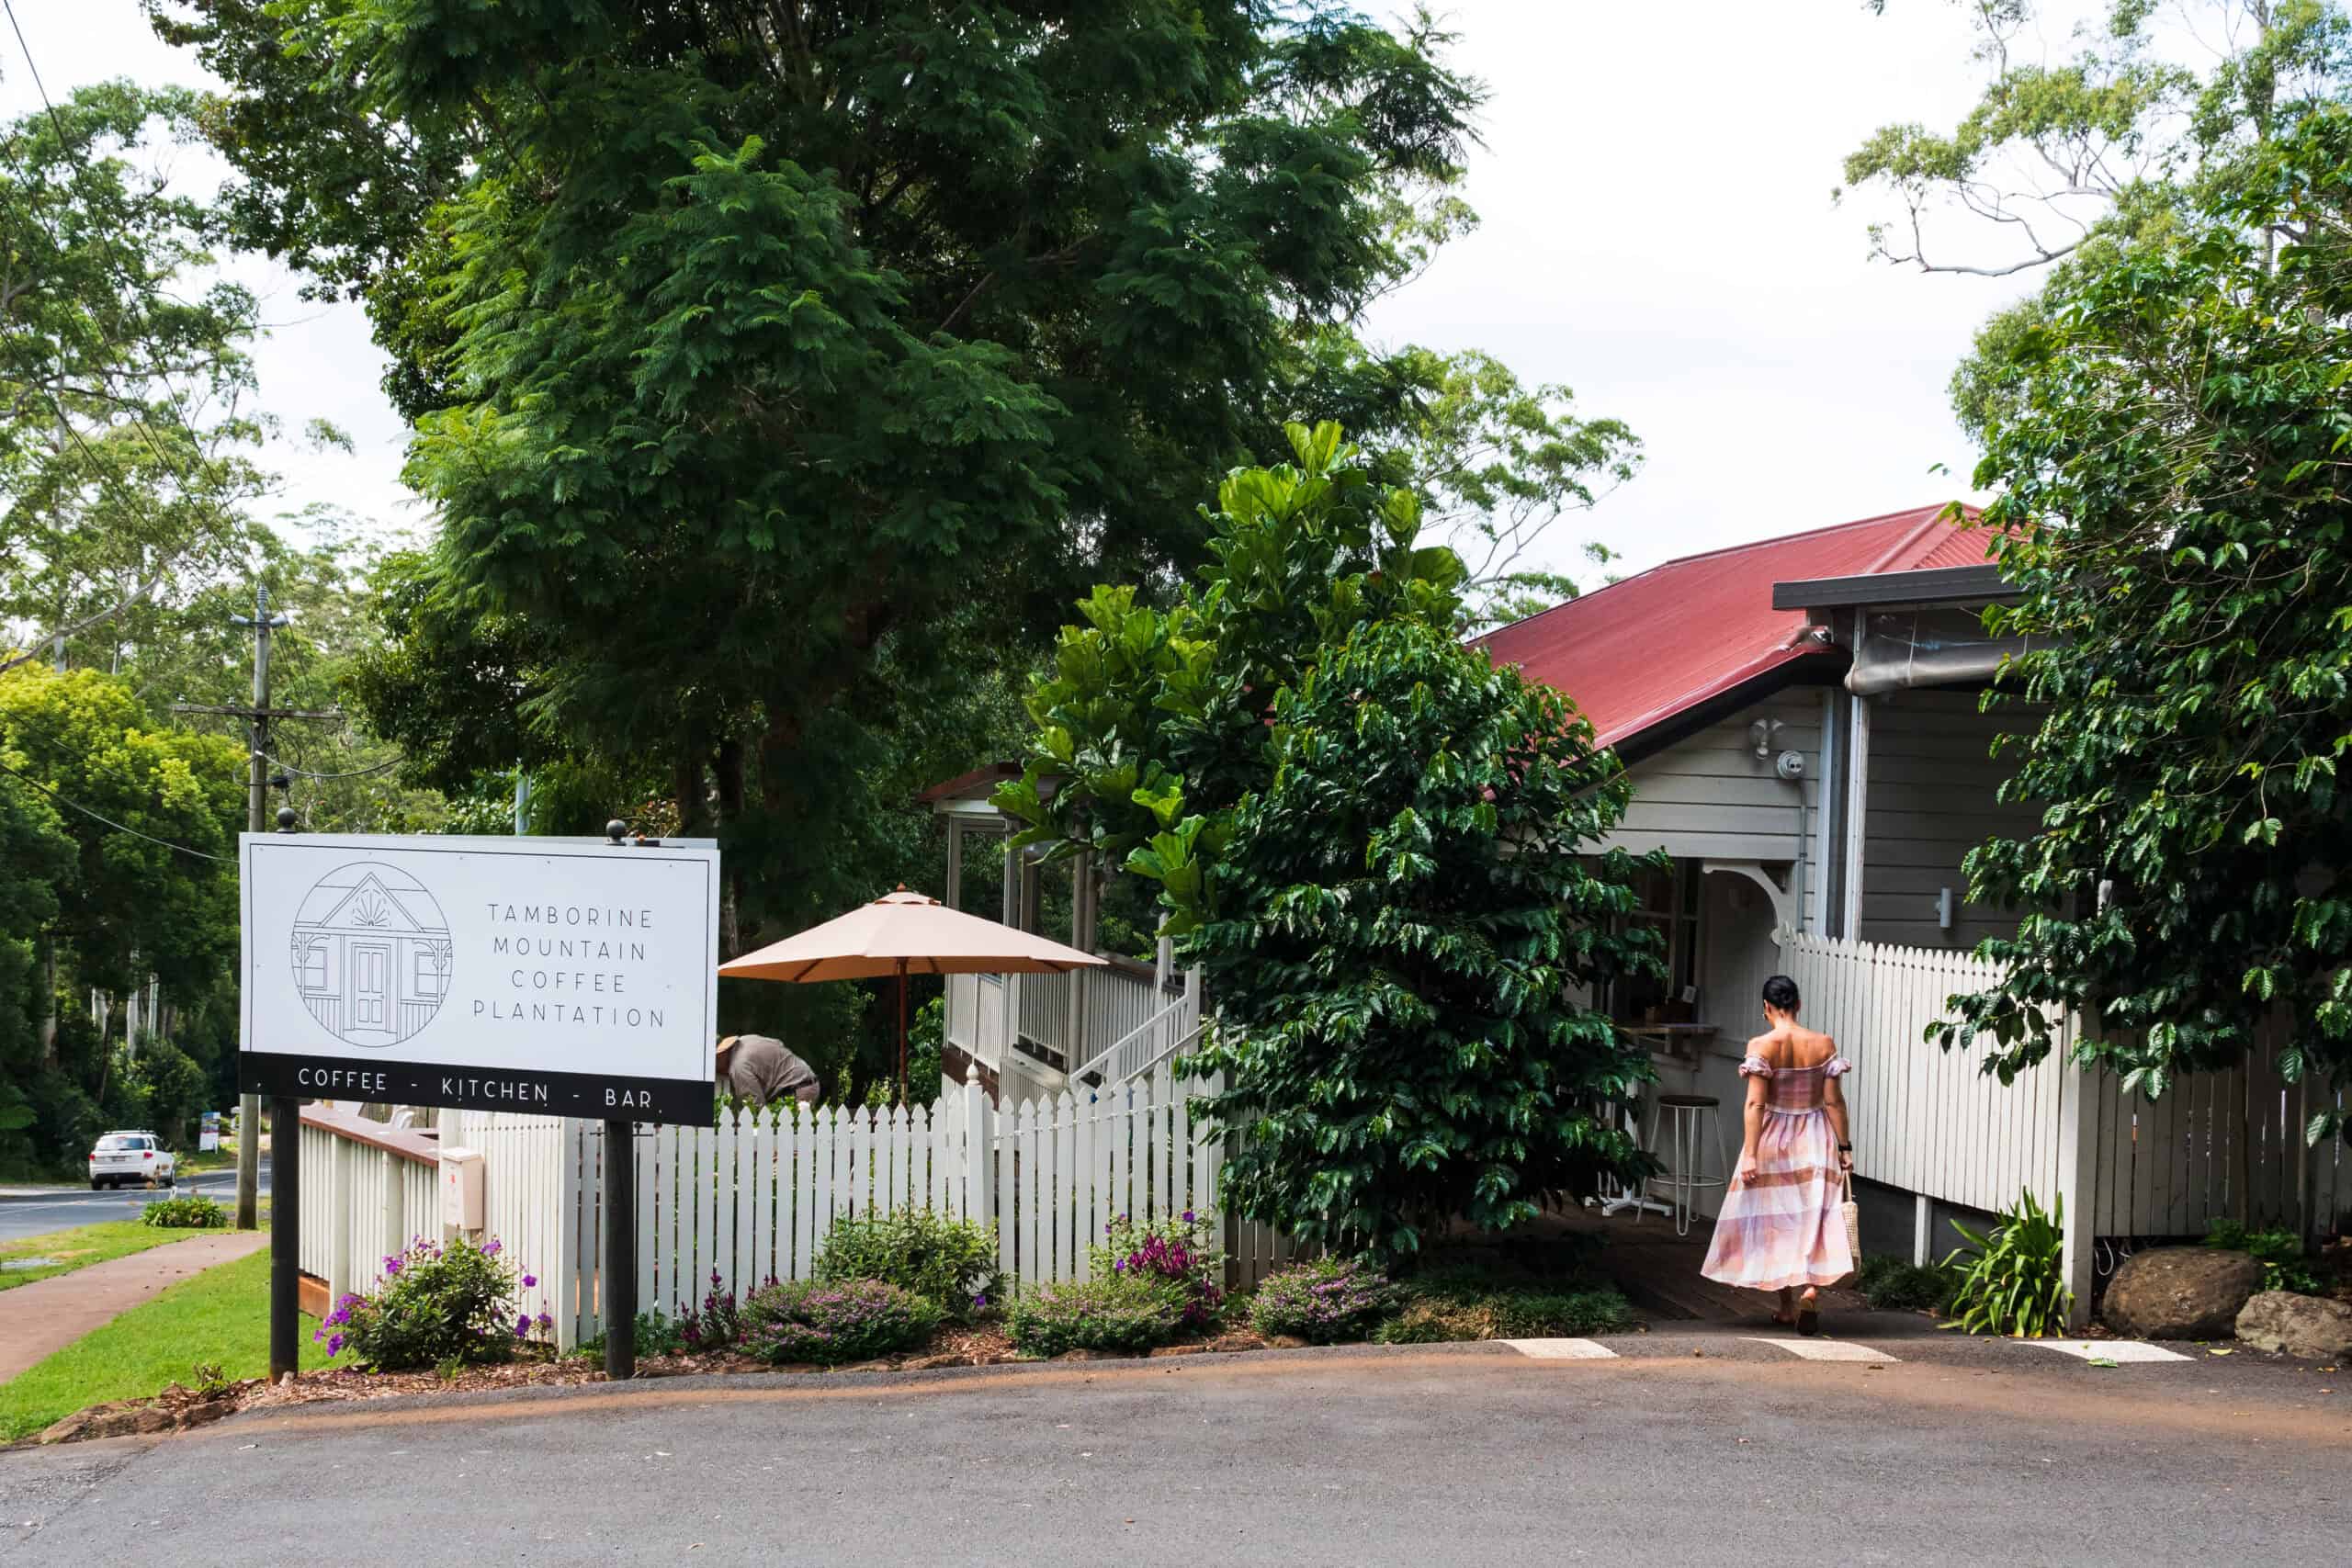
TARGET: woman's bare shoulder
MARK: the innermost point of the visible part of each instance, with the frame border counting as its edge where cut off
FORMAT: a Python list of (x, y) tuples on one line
[(1815, 1048)]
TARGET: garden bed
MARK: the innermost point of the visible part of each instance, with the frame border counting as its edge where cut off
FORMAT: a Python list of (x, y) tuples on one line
[(179, 1408)]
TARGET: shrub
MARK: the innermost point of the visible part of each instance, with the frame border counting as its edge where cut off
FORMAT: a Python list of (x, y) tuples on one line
[(2279, 1251), (1325, 1302), (714, 1326), (1114, 1312), (656, 1334), (835, 1322), (187, 1214), (1178, 1251), (952, 1262), (1432, 1317), (1889, 1284), (434, 1306), (2012, 1279)]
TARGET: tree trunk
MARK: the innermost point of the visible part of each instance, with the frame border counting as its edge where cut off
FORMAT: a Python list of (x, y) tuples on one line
[(729, 774), (49, 1004)]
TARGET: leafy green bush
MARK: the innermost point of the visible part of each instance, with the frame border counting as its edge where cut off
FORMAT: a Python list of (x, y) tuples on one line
[(1521, 1311), (1889, 1284), (951, 1262), (191, 1213), (2279, 1251), (1325, 1302), (832, 1323), (1114, 1312), (656, 1334), (434, 1306), (2012, 1280), (1178, 1250)]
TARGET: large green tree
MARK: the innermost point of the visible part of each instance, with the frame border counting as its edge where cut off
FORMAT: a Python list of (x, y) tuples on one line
[(753, 349), (1384, 851), (2164, 420), (127, 424), (2173, 463)]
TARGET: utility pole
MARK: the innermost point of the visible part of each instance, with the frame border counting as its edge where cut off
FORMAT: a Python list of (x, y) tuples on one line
[(257, 719), (257, 822)]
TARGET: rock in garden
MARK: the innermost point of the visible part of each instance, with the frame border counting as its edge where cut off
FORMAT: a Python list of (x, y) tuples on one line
[(1179, 1350), (1079, 1356), (205, 1412), (2300, 1326), (1284, 1342), (2181, 1292)]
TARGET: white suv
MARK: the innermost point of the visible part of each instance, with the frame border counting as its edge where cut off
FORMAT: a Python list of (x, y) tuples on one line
[(139, 1157)]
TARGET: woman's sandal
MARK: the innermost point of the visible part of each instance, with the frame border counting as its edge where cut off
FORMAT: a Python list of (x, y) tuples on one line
[(1809, 1318)]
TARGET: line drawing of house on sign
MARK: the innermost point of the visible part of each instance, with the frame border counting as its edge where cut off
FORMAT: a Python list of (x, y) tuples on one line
[(372, 953)]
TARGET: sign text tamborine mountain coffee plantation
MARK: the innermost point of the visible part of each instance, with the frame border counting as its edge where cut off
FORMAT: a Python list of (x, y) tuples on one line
[(570, 977)]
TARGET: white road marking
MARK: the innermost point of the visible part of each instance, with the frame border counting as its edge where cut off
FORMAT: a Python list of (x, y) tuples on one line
[(2117, 1350), (1561, 1349), (1826, 1350)]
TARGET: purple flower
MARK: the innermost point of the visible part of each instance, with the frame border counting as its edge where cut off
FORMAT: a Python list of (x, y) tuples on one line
[(546, 1322), (392, 1266), (491, 1247), (522, 1325), (1188, 1216), (529, 1281), (335, 1344)]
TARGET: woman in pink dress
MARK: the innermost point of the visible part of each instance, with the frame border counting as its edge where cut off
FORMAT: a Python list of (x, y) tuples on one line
[(1780, 1228)]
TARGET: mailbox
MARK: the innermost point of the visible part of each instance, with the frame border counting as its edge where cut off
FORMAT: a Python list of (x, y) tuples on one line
[(461, 1206)]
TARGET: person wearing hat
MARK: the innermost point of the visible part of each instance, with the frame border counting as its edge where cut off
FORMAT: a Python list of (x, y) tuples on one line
[(758, 1070)]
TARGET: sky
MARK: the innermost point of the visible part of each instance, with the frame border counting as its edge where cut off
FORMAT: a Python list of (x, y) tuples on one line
[(1658, 232)]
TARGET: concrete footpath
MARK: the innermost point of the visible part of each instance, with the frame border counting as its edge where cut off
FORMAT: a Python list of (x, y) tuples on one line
[(48, 1314)]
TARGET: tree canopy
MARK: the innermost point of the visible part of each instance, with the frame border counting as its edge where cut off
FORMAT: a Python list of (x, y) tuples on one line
[(2174, 466), (2165, 423)]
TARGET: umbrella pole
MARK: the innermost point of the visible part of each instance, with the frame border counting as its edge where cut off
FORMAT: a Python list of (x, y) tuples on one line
[(903, 1032)]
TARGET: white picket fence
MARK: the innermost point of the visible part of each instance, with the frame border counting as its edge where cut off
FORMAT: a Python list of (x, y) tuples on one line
[(1933, 1123), (1927, 1120), (754, 1197)]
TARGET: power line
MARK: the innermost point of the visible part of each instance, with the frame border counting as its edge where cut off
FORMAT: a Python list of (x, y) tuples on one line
[(118, 827), (356, 773)]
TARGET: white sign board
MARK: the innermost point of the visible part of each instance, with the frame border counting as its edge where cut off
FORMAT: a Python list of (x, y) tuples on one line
[(567, 976)]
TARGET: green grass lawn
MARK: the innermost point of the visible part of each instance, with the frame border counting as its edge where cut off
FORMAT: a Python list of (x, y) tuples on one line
[(220, 1317), (81, 1247)]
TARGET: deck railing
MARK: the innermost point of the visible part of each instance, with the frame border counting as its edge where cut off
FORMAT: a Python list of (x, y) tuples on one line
[(1115, 1005)]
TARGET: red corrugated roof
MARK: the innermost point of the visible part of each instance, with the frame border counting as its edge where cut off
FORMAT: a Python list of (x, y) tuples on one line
[(1636, 653)]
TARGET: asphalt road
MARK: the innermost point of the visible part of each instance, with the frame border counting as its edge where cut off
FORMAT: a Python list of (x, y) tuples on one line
[(58, 1208), (1436, 1455)]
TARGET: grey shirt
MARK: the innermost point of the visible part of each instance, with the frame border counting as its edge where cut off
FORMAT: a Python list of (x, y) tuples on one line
[(759, 1070)]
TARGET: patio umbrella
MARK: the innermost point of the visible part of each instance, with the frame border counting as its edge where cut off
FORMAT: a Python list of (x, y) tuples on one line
[(902, 934)]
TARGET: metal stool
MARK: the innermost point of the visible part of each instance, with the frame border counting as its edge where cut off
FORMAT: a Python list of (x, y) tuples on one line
[(1683, 1152), (1621, 1195)]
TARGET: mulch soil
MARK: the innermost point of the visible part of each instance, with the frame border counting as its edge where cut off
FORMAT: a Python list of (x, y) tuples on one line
[(178, 1409)]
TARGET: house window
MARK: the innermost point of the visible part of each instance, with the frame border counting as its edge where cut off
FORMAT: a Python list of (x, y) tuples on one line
[(313, 967), (429, 967), (1667, 903)]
